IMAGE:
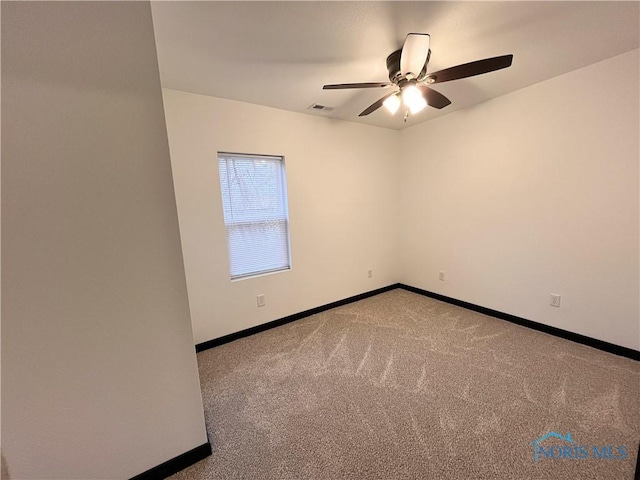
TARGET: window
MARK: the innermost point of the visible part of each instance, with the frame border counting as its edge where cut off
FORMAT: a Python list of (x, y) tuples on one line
[(254, 201)]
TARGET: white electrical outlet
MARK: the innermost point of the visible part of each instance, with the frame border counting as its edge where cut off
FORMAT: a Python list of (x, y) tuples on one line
[(370, 273), (261, 302), (555, 300), (441, 276)]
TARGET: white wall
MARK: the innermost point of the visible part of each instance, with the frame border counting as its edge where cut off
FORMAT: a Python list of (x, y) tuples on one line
[(529, 194), (99, 376), (342, 187)]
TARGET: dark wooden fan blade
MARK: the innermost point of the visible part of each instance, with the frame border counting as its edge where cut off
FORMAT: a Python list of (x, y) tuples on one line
[(434, 99), (339, 86), (470, 69), (375, 105)]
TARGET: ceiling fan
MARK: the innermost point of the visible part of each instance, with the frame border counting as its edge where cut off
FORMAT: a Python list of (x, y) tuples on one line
[(408, 73)]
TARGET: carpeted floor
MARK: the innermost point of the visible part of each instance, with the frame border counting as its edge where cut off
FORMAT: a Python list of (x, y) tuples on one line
[(401, 386)]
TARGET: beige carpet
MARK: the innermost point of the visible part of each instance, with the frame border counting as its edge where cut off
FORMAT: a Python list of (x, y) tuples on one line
[(403, 386)]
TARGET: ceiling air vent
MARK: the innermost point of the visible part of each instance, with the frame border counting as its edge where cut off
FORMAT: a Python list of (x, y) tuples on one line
[(318, 107)]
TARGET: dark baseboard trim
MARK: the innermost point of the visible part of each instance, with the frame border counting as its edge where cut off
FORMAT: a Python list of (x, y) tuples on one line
[(558, 332), (176, 464), (291, 318)]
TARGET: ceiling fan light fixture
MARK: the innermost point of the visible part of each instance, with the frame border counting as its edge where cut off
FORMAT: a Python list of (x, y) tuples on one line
[(392, 103), (413, 99)]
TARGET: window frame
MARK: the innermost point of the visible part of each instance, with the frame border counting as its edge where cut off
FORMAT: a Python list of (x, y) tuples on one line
[(264, 222)]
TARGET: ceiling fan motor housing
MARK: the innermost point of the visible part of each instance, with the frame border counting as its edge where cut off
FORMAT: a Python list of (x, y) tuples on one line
[(393, 66)]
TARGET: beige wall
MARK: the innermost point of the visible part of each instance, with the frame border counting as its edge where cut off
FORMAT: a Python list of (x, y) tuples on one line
[(530, 194), (342, 187), (99, 376)]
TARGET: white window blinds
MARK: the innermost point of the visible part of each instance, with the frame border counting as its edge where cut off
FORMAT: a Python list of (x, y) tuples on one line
[(254, 201)]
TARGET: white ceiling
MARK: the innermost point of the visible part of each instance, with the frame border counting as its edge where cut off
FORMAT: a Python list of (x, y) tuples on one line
[(279, 54)]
